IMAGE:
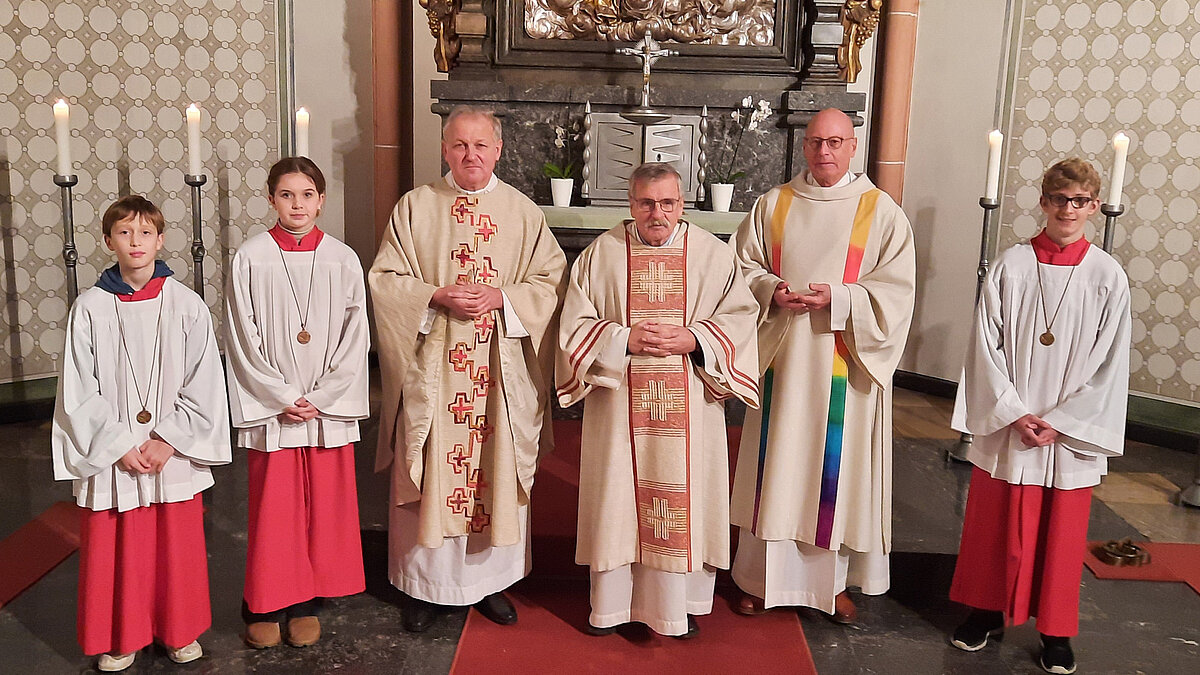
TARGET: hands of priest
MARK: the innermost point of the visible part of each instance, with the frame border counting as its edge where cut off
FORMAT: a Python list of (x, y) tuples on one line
[(133, 462), (155, 453), (301, 411), (787, 299), (1035, 432), (818, 299), (468, 301), (651, 338)]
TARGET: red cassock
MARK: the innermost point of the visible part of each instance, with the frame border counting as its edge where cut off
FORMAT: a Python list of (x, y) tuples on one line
[(304, 539), (1022, 552), (143, 577)]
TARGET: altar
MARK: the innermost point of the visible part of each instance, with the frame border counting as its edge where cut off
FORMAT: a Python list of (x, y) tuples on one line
[(576, 226)]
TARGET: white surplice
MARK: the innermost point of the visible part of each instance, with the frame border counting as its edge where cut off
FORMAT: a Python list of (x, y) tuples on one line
[(269, 369), (1078, 385), (95, 413)]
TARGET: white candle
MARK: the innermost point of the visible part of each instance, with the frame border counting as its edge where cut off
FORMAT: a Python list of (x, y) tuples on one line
[(995, 143), (1120, 144), (302, 133), (193, 129), (62, 132)]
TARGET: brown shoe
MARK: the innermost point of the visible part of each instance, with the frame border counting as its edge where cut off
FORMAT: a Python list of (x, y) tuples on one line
[(304, 631), (844, 611), (263, 634), (749, 605)]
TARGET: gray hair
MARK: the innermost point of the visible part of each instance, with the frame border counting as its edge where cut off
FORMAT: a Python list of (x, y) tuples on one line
[(652, 171), (473, 111)]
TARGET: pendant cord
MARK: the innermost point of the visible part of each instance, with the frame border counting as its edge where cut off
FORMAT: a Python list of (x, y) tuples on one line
[(295, 298), (1042, 295), (129, 356)]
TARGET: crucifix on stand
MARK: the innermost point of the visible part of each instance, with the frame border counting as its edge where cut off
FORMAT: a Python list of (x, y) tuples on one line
[(649, 51)]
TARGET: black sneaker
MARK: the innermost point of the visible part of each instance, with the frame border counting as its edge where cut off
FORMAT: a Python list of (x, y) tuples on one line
[(972, 634), (1057, 657)]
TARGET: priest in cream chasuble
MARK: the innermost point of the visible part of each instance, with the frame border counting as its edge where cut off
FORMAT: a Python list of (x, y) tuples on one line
[(830, 258), (466, 285), (657, 331)]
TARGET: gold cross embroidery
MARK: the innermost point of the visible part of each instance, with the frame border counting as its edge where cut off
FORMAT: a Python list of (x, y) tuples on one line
[(656, 282), (658, 399), (662, 518)]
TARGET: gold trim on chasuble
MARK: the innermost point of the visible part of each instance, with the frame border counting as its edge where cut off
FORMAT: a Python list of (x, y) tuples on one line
[(658, 409), (469, 379)]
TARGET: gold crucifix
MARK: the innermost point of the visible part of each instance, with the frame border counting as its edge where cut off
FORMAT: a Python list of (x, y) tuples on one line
[(649, 51)]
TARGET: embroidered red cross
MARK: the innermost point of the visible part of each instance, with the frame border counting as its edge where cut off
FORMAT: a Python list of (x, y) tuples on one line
[(457, 502), (476, 483), (480, 519), (463, 255), (482, 382), (458, 357), (485, 272), (461, 208), (483, 328), (461, 408), (485, 229), (481, 429), (458, 457)]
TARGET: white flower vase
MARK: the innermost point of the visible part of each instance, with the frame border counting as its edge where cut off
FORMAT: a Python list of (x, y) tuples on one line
[(722, 196), (560, 190)]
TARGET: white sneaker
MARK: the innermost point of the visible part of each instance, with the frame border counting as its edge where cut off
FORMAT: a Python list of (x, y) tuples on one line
[(110, 663), (187, 653)]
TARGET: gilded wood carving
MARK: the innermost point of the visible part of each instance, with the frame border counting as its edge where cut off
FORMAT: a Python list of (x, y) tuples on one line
[(859, 20), (723, 22)]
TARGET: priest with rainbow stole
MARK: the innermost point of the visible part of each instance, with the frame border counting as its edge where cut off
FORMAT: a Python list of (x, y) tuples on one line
[(829, 257), (1044, 389), (657, 331), (466, 287)]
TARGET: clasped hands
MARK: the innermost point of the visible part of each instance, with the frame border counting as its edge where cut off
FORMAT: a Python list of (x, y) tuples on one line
[(298, 412), (149, 457), (468, 301), (797, 302), (1035, 432), (651, 338)]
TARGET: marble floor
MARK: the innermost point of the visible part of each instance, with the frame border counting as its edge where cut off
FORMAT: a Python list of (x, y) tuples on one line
[(1126, 626)]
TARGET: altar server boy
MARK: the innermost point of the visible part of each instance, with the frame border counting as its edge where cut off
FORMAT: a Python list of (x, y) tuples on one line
[(1044, 392), (297, 362), (139, 420)]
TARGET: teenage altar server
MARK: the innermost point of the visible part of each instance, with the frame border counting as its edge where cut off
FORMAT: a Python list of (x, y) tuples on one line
[(1044, 392), (466, 287), (297, 361), (140, 417), (657, 331)]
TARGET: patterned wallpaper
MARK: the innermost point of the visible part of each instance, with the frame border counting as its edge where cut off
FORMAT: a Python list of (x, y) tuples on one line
[(1083, 71), (128, 68)]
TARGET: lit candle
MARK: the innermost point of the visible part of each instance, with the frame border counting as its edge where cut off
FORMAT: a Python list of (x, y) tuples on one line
[(995, 142), (302, 133), (1121, 150), (193, 128), (62, 132)]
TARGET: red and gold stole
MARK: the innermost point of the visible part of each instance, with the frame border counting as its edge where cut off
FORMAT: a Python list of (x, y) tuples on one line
[(658, 407)]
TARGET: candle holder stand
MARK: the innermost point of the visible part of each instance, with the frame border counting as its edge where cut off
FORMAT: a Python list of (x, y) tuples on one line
[(70, 255), (1111, 213), (195, 181), (959, 452)]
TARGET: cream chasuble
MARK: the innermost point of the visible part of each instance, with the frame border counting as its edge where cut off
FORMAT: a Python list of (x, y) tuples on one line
[(654, 464), (464, 405), (267, 297), (172, 354), (1078, 384), (814, 465)]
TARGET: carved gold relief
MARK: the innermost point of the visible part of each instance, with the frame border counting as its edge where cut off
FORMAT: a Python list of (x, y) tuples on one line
[(859, 20), (722, 22), (442, 15)]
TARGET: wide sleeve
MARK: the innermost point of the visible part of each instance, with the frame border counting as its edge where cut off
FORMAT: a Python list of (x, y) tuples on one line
[(257, 390), (400, 296), (751, 247), (881, 300), (198, 424), (536, 294), (341, 392), (88, 435), (584, 360), (730, 333), (987, 401), (1093, 416)]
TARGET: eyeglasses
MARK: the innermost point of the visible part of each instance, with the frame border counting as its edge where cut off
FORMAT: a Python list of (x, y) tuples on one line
[(834, 142), (1060, 201), (647, 205)]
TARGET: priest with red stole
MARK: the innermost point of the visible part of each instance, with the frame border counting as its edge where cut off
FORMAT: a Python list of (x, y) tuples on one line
[(1044, 391), (466, 288), (657, 331)]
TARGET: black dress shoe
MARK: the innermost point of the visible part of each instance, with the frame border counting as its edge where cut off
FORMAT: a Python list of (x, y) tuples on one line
[(497, 609), (418, 615), (692, 631), (600, 632)]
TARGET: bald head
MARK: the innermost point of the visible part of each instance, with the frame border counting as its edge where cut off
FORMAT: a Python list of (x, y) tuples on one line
[(829, 144)]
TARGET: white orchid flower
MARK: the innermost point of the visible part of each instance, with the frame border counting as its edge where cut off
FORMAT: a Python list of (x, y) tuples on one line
[(748, 101)]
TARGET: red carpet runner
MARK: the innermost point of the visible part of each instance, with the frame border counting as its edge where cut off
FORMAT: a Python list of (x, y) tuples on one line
[(553, 608), (38, 547), (1168, 562)]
